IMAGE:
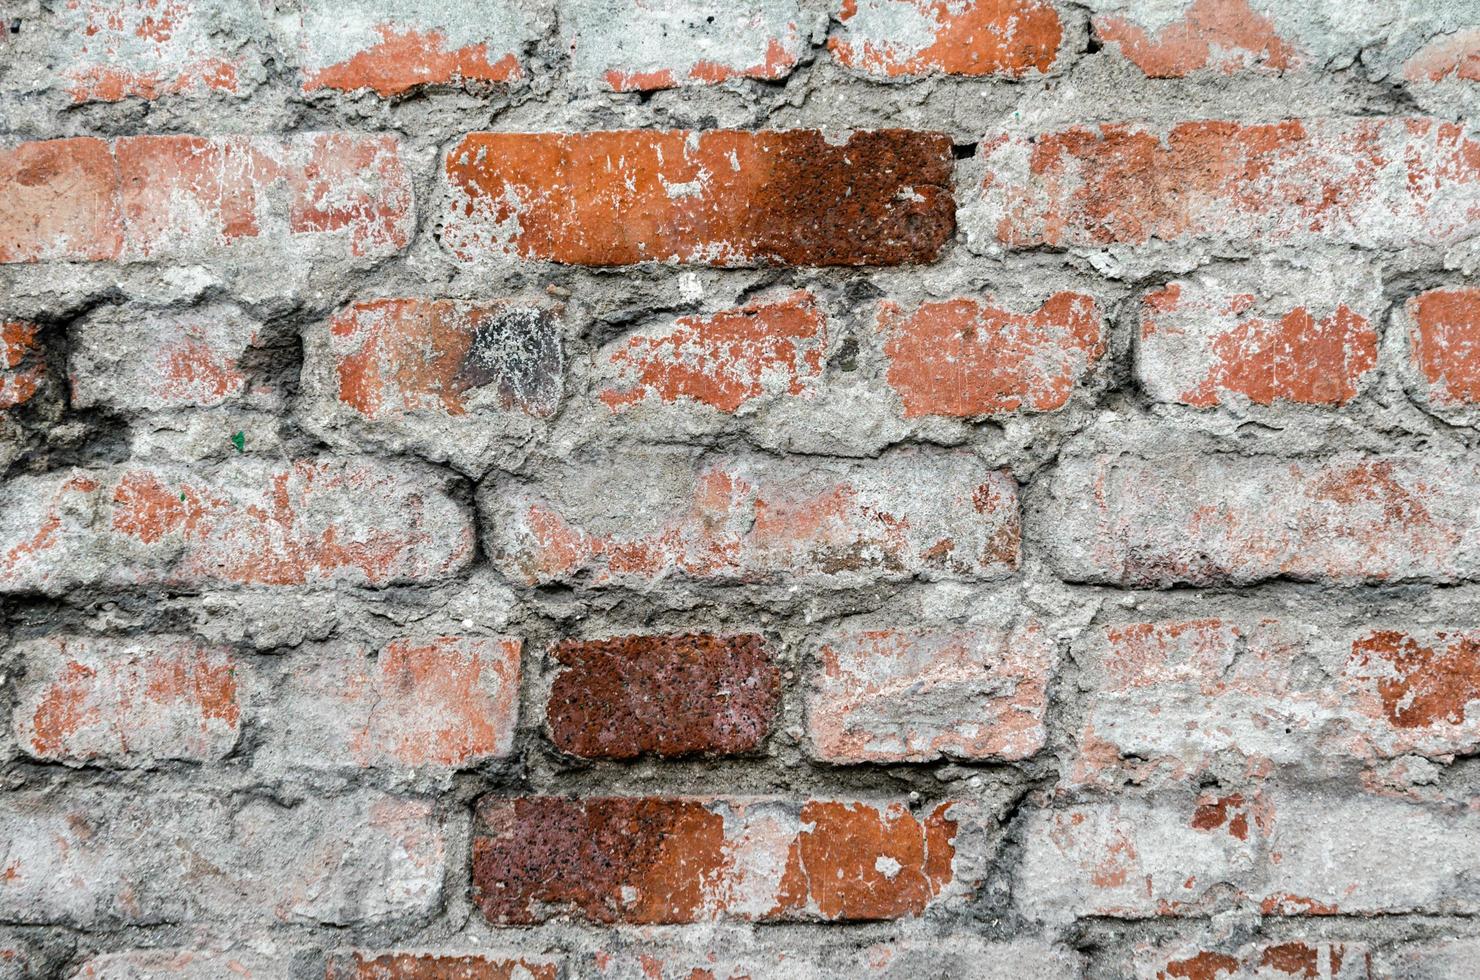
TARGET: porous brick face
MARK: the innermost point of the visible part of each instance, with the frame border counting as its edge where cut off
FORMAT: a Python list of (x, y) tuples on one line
[(711, 490)]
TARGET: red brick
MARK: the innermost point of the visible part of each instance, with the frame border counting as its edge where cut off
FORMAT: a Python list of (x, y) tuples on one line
[(918, 695), (1452, 56), (59, 199), (394, 357), (1422, 685), (940, 516), (151, 48), (726, 360), (989, 37), (185, 197), (1444, 344), (151, 361), (1266, 960), (1225, 36), (22, 365), (1218, 519), (968, 357), (722, 197), (351, 522), (1368, 182), (362, 965), (634, 45), (1200, 344), (449, 702), (128, 702), (671, 860), (1174, 700), (669, 695), (392, 48)]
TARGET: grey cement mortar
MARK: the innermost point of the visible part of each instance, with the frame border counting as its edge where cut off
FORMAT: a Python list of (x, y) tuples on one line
[(1360, 52)]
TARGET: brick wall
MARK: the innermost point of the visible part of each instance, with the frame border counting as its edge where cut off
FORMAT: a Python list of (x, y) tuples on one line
[(701, 490)]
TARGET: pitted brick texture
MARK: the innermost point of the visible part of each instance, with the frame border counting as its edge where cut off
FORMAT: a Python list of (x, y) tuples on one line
[(1370, 183), (722, 198), (670, 860), (667, 695), (712, 490)]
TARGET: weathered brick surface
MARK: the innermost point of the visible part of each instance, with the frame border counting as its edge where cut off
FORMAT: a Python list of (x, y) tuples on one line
[(1224, 36), (133, 859), (622, 697), (1273, 960), (120, 49), (146, 360), (671, 860), (721, 198), (1228, 520), (391, 48), (1204, 344), (1137, 858), (314, 522), (371, 965), (1174, 700), (969, 357), (918, 695), (1443, 334), (926, 515), (182, 964), (85, 700), (1371, 183), (891, 38), (447, 702), (697, 490), (178, 198), (1435, 959), (451, 380), (768, 349), (637, 45), (22, 363), (950, 955), (1219, 39)]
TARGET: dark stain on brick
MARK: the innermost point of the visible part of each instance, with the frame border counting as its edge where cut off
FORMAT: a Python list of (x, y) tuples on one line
[(518, 349), (669, 696), (641, 860), (882, 198)]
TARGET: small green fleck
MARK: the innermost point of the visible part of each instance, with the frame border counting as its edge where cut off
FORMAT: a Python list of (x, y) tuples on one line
[(239, 440), (182, 494)]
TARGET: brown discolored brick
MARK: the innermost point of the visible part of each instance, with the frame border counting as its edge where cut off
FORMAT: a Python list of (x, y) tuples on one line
[(721, 197), (654, 860), (625, 696)]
